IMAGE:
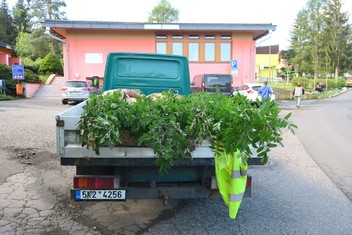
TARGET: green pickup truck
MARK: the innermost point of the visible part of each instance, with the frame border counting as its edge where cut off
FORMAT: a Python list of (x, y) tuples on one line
[(129, 172)]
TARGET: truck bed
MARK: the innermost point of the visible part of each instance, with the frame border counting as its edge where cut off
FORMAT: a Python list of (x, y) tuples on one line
[(135, 167)]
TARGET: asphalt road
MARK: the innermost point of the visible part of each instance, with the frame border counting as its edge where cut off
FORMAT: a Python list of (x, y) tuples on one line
[(290, 195), (326, 133)]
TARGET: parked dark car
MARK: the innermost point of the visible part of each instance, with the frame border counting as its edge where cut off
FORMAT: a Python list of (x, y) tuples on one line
[(213, 83)]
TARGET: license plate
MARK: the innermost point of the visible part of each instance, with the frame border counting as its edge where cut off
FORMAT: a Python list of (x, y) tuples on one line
[(100, 194)]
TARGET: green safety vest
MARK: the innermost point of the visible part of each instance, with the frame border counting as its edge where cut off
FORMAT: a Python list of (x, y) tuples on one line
[(231, 176)]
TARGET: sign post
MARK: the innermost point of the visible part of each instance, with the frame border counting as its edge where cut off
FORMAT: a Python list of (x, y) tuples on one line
[(18, 73), (2, 86), (234, 68)]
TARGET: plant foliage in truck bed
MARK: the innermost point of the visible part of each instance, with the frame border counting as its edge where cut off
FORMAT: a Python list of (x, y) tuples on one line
[(172, 125)]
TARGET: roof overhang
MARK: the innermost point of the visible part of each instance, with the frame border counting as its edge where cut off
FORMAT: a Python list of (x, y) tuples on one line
[(6, 46), (8, 49), (59, 27)]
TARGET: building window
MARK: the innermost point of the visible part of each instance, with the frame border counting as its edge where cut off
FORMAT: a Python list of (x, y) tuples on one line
[(193, 36), (207, 47), (161, 36), (209, 36), (225, 36), (209, 51), (177, 48), (193, 51), (225, 51), (161, 47), (178, 36)]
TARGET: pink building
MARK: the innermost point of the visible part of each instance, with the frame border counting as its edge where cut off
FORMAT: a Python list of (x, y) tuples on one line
[(210, 48), (8, 55)]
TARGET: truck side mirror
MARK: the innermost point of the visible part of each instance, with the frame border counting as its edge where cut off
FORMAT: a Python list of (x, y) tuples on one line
[(95, 81)]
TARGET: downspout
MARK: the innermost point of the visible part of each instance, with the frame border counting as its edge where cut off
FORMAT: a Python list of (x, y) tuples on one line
[(253, 56), (66, 53)]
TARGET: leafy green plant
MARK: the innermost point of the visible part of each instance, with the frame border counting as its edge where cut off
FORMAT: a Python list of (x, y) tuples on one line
[(6, 74), (172, 126), (51, 64), (6, 97)]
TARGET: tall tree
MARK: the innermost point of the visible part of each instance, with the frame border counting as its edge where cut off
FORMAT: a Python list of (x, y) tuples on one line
[(33, 45), (322, 37), (22, 16), (337, 36), (8, 31), (315, 9), (48, 10), (299, 55), (163, 13)]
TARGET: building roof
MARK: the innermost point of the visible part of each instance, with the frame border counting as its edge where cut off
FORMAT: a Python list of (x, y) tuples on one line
[(59, 27), (4, 45)]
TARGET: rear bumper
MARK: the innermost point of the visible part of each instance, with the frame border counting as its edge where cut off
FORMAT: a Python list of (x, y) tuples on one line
[(75, 98), (175, 192)]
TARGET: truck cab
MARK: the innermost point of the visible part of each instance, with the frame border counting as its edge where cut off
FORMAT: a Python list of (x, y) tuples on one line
[(150, 73)]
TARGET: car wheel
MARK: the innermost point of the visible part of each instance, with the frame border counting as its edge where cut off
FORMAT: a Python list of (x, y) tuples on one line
[(64, 101)]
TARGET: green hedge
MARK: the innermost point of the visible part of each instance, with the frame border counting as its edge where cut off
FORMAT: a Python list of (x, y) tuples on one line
[(51, 64), (330, 83), (6, 74)]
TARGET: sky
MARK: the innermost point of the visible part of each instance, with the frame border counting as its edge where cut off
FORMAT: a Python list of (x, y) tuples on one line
[(281, 13)]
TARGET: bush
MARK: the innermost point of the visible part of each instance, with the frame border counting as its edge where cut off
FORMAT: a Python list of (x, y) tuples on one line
[(305, 82), (6, 74), (308, 83), (51, 64), (32, 65), (31, 77), (6, 97)]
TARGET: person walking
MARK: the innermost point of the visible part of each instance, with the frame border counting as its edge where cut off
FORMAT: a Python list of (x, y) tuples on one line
[(265, 92), (297, 93)]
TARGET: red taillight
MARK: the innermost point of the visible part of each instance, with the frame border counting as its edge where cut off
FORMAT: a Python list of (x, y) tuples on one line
[(86, 89), (96, 182), (64, 89), (203, 87), (249, 181), (250, 92)]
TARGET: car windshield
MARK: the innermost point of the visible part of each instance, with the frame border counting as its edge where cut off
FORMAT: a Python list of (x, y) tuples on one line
[(218, 80), (76, 84), (243, 87), (256, 88)]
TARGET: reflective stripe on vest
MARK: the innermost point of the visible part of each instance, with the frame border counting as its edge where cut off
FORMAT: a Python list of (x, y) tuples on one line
[(238, 173), (236, 197)]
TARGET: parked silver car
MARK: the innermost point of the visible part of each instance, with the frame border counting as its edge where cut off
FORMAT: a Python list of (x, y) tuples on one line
[(77, 91)]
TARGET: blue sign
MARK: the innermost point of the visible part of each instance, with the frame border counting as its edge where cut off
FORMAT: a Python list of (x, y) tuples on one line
[(233, 64), (18, 72), (234, 67)]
